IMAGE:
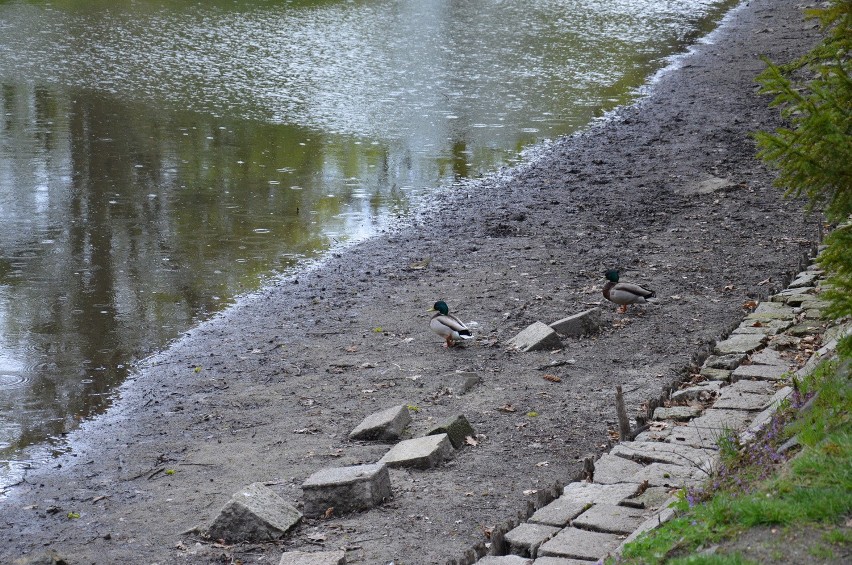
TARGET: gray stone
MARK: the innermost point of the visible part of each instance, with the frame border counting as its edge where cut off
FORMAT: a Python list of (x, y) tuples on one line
[(558, 513), (610, 518), (584, 323), (709, 185), (313, 558), (254, 514), (346, 489), (733, 399), (729, 361), (804, 279), (561, 561), (677, 413), (792, 296), (537, 336), (457, 429), (661, 452), (504, 560), (386, 425), (652, 497), (784, 342), (651, 523), (767, 357), (526, 538), (610, 469), (750, 387), (705, 431), (579, 544), (583, 493), (670, 475), (761, 420), (806, 328), (715, 374), (740, 343), (772, 311), (764, 372), (701, 391), (420, 453), (461, 382)]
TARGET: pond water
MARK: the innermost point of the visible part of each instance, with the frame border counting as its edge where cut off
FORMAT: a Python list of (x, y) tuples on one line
[(158, 158)]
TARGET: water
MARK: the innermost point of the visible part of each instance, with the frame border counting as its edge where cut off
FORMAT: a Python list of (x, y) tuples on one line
[(159, 158)]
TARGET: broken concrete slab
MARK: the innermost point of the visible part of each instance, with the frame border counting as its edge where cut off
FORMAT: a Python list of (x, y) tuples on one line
[(761, 420), (457, 429), (701, 391), (610, 518), (419, 453), (739, 400), (559, 561), (706, 430), (677, 413), (346, 489), (386, 425), (661, 452), (254, 514), (584, 493), (461, 382), (535, 337), (740, 343), (767, 356), (526, 538), (651, 498), (579, 544), (672, 476), (504, 560), (728, 362), (313, 558), (651, 523), (715, 374), (610, 469), (764, 372), (584, 323), (558, 513)]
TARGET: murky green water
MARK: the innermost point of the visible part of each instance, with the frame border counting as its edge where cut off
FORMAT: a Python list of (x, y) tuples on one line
[(159, 158)]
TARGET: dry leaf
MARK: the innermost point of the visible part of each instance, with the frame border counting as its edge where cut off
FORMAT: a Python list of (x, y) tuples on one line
[(507, 408), (552, 378), (765, 281), (542, 464), (352, 349), (749, 304), (470, 441), (487, 532), (327, 514), (530, 491)]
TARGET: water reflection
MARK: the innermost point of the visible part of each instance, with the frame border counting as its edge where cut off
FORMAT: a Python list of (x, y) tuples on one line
[(156, 159)]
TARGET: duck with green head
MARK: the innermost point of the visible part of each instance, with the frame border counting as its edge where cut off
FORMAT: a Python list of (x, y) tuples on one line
[(625, 294), (448, 326)]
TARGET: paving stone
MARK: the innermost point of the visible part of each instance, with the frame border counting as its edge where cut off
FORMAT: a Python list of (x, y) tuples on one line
[(386, 425), (526, 538), (670, 475), (654, 434), (610, 518), (677, 413), (610, 469), (313, 558), (772, 310), (254, 514), (651, 523), (651, 498), (784, 342), (740, 343), (420, 453), (806, 328), (561, 561), (804, 279), (701, 391), (346, 489), (661, 452), (761, 420), (457, 429), (461, 382), (809, 301), (594, 493), (742, 397), (705, 431), (580, 544), (792, 296), (767, 356), (764, 372), (751, 387), (715, 374), (558, 513), (584, 323), (537, 336), (729, 361), (504, 560)]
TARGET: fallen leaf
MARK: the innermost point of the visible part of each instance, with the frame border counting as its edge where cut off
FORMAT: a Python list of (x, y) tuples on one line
[(470, 441), (327, 514), (507, 408), (729, 287), (552, 378), (486, 532), (352, 349), (749, 304), (765, 281), (542, 464), (530, 491)]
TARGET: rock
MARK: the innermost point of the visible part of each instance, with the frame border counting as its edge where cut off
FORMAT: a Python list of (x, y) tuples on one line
[(535, 337), (804, 279), (420, 453), (677, 413), (313, 558), (254, 514), (610, 469), (457, 429), (584, 493), (792, 296), (728, 362), (386, 425), (504, 560), (701, 391), (610, 518), (653, 497), (767, 357), (715, 374), (805, 329), (579, 544), (765, 372), (558, 513), (461, 382), (772, 311), (740, 343), (346, 489), (584, 323), (526, 538), (660, 452), (49, 557)]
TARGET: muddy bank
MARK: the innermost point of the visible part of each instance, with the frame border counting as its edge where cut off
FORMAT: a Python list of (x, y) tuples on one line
[(668, 191)]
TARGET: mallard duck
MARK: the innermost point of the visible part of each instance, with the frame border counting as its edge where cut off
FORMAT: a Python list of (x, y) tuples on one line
[(448, 326), (626, 293)]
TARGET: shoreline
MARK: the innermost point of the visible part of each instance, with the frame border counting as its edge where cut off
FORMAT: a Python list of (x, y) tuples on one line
[(668, 192)]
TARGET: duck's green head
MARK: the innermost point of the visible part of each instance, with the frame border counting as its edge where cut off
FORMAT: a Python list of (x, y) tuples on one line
[(441, 307), (612, 275)]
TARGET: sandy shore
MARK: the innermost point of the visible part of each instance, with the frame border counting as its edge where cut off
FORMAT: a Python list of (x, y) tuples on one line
[(668, 191)]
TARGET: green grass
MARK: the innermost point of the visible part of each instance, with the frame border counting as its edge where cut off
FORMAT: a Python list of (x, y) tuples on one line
[(814, 487)]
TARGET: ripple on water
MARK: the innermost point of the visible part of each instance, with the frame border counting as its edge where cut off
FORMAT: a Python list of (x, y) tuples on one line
[(10, 381)]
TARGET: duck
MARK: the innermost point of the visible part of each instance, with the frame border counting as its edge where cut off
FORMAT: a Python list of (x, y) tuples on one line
[(625, 294), (448, 326)]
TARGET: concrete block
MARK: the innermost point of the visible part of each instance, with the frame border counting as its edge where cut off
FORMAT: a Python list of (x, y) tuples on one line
[(702, 391), (767, 356), (584, 323), (561, 561), (610, 469), (254, 514), (651, 523), (610, 518), (504, 560), (346, 489), (419, 453), (537, 336), (386, 425), (672, 476), (773, 310), (764, 372), (584, 493), (677, 413), (705, 431), (526, 538), (579, 544), (661, 452), (558, 513), (651, 498), (457, 429), (313, 558), (715, 374), (728, 361), (461, 382), (804, 279), (741, 398), (761, 420), (740, 343)]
